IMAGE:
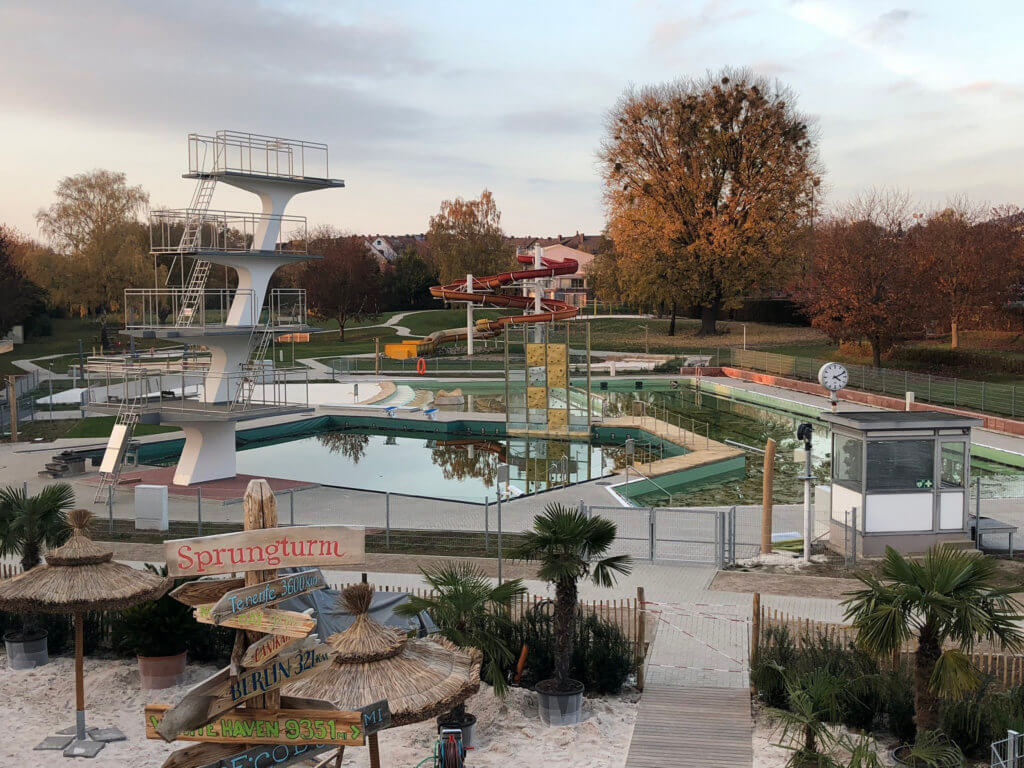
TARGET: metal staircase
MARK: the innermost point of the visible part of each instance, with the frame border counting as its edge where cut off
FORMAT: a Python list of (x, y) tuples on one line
[(255, 368), (127, 416), (193, 296)]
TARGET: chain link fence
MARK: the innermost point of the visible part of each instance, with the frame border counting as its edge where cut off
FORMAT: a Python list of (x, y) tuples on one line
[(939, 390)]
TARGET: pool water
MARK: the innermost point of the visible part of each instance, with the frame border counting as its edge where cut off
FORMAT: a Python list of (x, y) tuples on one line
[(462, 469)]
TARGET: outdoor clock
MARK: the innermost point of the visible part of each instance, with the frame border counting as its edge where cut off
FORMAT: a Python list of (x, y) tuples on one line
[(833, 376)]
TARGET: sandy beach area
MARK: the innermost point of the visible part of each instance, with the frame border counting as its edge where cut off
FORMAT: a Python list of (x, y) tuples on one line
[(39, 702)]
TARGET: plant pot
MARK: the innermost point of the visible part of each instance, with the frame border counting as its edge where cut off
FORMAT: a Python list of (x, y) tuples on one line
[(465, 724), (26, 650), (899, 757), (161, 671), (557, 707)]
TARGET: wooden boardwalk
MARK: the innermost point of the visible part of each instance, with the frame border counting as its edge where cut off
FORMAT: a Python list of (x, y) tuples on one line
[(692, 728)]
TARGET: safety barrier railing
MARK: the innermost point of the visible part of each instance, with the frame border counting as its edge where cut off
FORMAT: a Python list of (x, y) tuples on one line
[(257, 155), (231, 231), (155, 308)]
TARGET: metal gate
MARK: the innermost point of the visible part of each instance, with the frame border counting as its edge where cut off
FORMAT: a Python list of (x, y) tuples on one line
[(673, 534), (1008, 752)]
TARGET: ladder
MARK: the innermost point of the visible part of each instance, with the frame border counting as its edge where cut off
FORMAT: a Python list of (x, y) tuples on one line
[(252, 371), (127, 416), (193, 295)]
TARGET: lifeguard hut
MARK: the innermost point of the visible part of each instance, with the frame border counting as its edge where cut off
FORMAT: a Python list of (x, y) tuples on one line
[(899, 479)]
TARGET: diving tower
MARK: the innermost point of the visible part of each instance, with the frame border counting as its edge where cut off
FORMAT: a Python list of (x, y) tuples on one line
[(232, 380)]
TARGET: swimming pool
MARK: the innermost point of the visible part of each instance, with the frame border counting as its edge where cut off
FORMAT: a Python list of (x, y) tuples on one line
[(461, 468)]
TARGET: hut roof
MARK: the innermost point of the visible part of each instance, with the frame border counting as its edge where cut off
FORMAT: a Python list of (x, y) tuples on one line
[(420, 677), (79, 576)]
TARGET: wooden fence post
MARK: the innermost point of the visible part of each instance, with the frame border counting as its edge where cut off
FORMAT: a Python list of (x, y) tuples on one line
[(641, 635), (755, 629)]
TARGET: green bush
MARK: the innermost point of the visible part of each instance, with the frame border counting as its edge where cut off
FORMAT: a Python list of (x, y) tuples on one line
[(602, 656), (899, 704), (768, 672), (954, 362), (975, 721)]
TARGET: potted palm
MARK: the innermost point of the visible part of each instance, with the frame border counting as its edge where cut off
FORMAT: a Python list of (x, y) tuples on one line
[(159, 634), (470, 611), (568, 546), (946, 601), (28, 525)]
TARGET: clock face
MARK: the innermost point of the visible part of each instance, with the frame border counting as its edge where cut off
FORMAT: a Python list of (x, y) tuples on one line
[(833, 376)]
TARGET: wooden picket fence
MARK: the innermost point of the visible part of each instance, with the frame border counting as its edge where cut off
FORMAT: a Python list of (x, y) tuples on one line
[(1006, 669)]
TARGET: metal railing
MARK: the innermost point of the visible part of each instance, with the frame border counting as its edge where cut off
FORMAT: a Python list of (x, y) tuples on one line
[(153, 308), (188, 390), (257, 155), (928, 388), (677, 534), (1008, 752), (231, 231)]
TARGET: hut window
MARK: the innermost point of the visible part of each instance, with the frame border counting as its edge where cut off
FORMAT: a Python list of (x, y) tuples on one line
[(953, 465), (901, 465), (846, 461)]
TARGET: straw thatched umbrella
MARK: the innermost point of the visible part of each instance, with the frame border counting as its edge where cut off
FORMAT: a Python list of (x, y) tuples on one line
[(420, 677), (79, 576)]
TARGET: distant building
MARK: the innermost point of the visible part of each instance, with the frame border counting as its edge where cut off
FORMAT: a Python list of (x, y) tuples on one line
[(382, 250), (387, 248), (572, 289)]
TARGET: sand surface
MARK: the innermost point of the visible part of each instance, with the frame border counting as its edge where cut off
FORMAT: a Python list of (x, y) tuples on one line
[(37, 703)]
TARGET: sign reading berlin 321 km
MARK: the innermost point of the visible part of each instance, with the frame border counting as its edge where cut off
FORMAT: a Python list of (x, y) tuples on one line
[(266, 549)]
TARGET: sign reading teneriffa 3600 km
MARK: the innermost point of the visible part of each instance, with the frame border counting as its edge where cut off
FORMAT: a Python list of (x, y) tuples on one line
[(264, 549)]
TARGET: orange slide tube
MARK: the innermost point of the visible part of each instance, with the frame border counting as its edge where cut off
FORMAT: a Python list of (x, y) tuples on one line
[(551, 309)]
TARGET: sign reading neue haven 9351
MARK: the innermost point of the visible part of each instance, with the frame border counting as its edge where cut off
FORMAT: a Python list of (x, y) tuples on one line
[(265, 549)]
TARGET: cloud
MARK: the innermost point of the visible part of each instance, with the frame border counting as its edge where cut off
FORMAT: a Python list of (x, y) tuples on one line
[(197, 65), (563, 120), (670, 31)]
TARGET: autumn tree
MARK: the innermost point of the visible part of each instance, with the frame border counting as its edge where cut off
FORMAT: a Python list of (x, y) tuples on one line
[(20, 298), (98, 245), (345, 283), (406, 285), (864, 282), (974, 264), (465, 237), (712, 179)]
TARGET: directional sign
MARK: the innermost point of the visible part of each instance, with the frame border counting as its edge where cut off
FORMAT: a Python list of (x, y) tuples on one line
[(203, 591), (266, 755), (268, 620), (221, 692), (265, 726), (264, 649), (264, 549), (269, 592), (376, 717), (199, 755)]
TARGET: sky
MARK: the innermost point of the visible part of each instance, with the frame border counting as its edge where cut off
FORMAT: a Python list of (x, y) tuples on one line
[(423, 101)]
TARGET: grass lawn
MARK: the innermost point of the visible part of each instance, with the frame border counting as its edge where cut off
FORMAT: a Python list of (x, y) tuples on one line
[(426, 322), (627, 335), (97, 427), (64, 339)]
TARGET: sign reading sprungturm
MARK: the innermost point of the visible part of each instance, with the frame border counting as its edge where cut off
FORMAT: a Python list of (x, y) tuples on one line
[(265, 549)]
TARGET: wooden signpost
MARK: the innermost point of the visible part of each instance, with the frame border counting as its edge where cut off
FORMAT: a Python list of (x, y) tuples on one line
[(237, 713), (266, 620), (255, 549), (222, 692), (376, 717), (202, 591), (228, 756), (265, 649), (270, 726), (266, 594)]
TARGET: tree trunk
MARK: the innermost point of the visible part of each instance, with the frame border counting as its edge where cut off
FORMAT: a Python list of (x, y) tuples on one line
[(30, 555), (565, 616), (954, 340), (341, 329), (876, 353), (672, 321), (926, 703), (709, 318)]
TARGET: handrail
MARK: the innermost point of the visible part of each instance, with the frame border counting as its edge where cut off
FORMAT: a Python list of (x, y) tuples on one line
[(258, 154), (219, 230)]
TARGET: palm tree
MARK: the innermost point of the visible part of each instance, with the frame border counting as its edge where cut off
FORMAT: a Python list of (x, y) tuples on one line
[(567, 544), (472, 612), (814, 701), (28, 523), (949, 597)]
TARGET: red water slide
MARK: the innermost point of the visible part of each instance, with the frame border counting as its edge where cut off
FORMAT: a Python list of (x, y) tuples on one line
[(482, 294)]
